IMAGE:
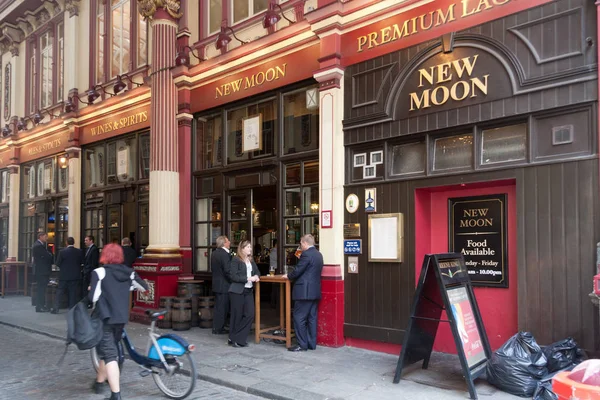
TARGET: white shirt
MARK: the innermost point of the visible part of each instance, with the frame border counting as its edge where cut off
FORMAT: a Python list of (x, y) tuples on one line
[(248, 273), (226, 249)]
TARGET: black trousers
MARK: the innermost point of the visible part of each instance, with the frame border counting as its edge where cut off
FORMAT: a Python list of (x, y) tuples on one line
[(87, 277), (40, 296), (68, 288), (221, 310), (242, 316), (305, 323)]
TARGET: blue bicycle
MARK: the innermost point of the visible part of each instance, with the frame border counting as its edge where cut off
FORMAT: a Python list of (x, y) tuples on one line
[(168, 361)]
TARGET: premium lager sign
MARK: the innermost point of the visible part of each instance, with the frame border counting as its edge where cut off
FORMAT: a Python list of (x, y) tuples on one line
[(478, 232)]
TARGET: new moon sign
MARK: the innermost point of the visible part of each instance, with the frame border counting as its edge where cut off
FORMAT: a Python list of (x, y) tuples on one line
[(478, 231)]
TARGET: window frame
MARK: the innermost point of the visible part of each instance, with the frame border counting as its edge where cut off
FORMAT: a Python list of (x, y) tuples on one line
[(227, 14), (105, 40)]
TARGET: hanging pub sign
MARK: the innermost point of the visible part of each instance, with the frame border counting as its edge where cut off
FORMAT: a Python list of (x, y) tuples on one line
[(477, 230), (444, 285)]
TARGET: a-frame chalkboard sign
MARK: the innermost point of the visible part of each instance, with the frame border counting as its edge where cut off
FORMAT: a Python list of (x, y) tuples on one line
[(444, 285)]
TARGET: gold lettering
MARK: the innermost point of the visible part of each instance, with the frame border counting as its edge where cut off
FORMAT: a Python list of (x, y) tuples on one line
[(445, 18), (218, 92), (260, 78), (485, 3), (423, 17), (482, 86), (281, 71), (444, 74), (466, 65), (386, 36), (237, 84), (445, 95), (453, 91), (272, 71), (362, 40), (227, 89), (250, 82), (144, 116), (417, 102), (466, 13), (372, 39), (428, 76)]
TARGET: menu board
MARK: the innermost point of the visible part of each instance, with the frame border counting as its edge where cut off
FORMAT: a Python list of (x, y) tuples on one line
[(466, 325), (478, 231)]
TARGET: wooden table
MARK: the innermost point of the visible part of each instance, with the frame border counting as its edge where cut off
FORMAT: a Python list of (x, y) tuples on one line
[(285, 318), (5, 266)]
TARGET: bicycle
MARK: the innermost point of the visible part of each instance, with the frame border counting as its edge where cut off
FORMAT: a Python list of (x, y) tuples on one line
[(168, 358)]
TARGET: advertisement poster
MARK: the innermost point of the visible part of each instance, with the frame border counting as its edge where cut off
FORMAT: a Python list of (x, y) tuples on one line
[(466, 325), (478, 231)]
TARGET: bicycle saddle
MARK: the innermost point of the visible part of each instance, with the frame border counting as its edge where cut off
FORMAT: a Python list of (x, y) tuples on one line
[(155, 315)]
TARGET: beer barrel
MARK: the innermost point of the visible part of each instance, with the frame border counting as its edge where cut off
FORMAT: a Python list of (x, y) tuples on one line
[(206, 308), (188, 289), (181, 314), (195, 302), (166, 303), (33, 293), (51, 293)]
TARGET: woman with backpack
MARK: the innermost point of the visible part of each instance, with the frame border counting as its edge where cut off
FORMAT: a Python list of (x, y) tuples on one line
[(109, 291)]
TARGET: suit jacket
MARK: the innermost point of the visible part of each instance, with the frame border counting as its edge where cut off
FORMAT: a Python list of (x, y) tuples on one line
[(42, 259), (92, 257), (219, 262), (238, 276), (129, 255), (70, 261), (307, 276)]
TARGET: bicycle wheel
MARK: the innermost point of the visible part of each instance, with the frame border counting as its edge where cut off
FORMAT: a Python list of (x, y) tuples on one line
[(181, 382), (96, 360)]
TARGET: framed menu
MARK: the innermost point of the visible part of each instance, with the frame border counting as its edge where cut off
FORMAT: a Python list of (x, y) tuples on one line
[(386, 234), (252, 133)]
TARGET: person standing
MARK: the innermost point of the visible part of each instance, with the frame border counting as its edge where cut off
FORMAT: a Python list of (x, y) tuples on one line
[(109, 292), (129, 252), (219, 263), (42, 264), (306, 294), (92, 255), (273, 257), (70, 261), (242, 273)]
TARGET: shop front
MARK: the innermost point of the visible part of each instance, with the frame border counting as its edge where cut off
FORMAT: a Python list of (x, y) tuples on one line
[(482, 134)]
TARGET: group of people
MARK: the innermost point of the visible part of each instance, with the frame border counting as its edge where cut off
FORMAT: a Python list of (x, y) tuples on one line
[(233, 280), (75, 269)]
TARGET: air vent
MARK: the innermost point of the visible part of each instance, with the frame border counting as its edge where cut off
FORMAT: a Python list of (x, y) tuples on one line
[(562, 135)]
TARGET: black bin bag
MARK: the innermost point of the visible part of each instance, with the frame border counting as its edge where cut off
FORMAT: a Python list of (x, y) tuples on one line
[(563, 354), (518, 365)]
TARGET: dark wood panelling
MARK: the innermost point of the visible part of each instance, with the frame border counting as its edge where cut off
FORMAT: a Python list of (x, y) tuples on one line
[(558, 220)]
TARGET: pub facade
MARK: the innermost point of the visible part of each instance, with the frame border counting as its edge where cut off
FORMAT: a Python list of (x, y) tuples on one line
[(480, 128)]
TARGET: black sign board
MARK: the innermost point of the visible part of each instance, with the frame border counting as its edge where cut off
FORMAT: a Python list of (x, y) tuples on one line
[(444, 285), (478, 230)]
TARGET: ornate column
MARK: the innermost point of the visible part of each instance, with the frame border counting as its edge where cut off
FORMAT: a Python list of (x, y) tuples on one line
[(74, 199), (14, 204), (164, 143)]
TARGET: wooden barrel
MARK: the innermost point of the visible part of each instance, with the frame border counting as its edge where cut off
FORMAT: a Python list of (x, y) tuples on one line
[(51, 293), (188, 289), (166, 303), (33, 293), (195, 317), (181, 313), (206, 308)]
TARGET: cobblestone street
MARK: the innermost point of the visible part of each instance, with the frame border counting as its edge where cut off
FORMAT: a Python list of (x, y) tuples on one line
[(28, 371)]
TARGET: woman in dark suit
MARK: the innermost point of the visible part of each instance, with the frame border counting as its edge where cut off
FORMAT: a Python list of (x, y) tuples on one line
[(242, 272)]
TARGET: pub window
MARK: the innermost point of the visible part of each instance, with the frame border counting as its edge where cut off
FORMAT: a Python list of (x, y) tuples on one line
[(63, 174), (301, 205), (454, 152), (94, 225), (208, 226), (209, 142), (95, 167), (46, 70), (29, 181), (369, 171), (28, 230), (145, 156), (5, 182), (31, 74), (360, 160), (239, 148), (60, 70), (243, 9), (408, 158), (126, 156), (377, 157), (300, 122), (62, 223), (215, 15), (505, 144)]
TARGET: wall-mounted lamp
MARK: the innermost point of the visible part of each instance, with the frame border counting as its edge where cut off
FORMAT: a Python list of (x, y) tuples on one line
[(63, 162), (182, 57), (39, 116), (120, 85), (6, 131), (272, 17), (70, 106), (223, 39)]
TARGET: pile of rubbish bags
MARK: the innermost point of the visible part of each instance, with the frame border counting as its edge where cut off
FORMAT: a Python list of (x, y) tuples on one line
[(523, 368)]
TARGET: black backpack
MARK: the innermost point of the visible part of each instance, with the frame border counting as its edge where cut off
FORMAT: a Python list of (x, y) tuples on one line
[(82, 329)]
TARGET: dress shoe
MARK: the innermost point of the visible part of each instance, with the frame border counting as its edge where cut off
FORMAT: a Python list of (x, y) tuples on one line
[(42, 309), (296, 349), (114, 396), (220, 331), (312, 348)]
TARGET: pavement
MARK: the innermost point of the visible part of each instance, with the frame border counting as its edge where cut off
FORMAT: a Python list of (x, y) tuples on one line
[(268, 370)]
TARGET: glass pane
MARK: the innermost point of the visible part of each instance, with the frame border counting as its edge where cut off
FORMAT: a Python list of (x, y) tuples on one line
[(311, 225), (210, 139), (94, 167), (293, 231), (201, 260), (238, 231), (144, 237), (100, 43), (216, 213), (453, 152), (311, 172), (61, 60), (310, 200), (240, 10), (237, 207), (203, 232), (215, 12), (114, 217), (290, 255), (202, 209), (111, 163), (300, 121), (292, 174), (292, 202), (268, 114), (508, 143), (234, 135), (144, 214), (145, 157), (260, 5), (408, 158), (216, 231), (120, 38), (142, 54)]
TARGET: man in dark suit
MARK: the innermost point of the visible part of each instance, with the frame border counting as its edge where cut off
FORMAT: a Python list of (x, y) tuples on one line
[(219, 262), (306, 294), (70, 262), (42, 262), (91, 261), (129, 254)]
